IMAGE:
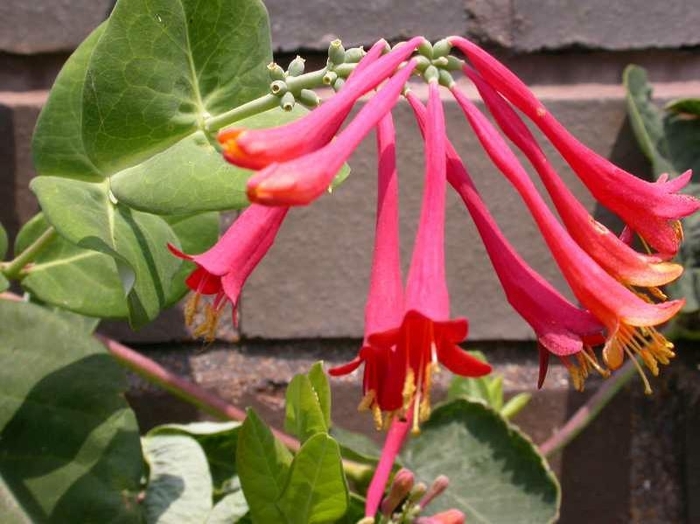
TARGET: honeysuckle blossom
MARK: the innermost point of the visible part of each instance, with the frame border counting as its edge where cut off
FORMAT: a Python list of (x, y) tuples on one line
[(222, 270), (258, 148), (427, 336), (608, 250), (301, 180), (652, 210), (560, 327), (628, 317)]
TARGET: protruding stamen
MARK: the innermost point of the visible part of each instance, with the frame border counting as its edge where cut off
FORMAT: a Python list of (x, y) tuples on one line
[(191, 307), (640, 370)]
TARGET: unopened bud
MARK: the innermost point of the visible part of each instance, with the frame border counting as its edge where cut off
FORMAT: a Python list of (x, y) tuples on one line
[(417, 492), (330, 77), (309, 98), (296, 66), (399, 490), (287, 101), (440, 61), (426, 49), (422, 63), (441, 48), (445, 79), (278, 87), (336, 52), (431, 74), (454, 63), (451, 516), (436, 489), (354, 54), (338, 84), (275, 71)]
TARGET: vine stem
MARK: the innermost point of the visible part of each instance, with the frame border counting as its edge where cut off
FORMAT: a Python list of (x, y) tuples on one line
[(13, 268), (589, 411)]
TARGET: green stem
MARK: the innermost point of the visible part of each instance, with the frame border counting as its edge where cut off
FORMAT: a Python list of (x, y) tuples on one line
[(13, 268), (266, 102), (254, 107), (589, 411)]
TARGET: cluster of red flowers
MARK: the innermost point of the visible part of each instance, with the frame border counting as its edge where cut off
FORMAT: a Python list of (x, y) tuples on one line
[(408, 329)]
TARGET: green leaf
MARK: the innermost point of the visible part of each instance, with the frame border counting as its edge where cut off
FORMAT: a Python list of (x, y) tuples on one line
[(70, 444), (218, 440), (137, 241), (159, 71), (496, 474), (70, 277), (356, 446), (263, 466), (3, 242), (196, 233), (646, 120), (322, 388), (683, 138), (179, 485), (303, 414), (515, 405), (232, 508), (689, 106), (316, 490)]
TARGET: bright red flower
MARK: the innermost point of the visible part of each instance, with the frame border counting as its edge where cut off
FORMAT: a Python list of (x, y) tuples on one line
[(301, 180), (628, 317), (614, 255), (561, 328), (652, 210), (223, 269), (258, 148), (426, 336)]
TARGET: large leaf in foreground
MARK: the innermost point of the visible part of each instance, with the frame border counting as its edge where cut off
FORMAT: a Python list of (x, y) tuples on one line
[(179, 485), (70, 445), (496, 475)]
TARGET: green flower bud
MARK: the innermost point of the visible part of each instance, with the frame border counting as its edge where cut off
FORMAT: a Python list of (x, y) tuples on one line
[(454, 63), (445, 79), (275, 71), (440, 61), (330, 77), (309, 97), (287, 101), (426, 49), (336, 52), (354, 55), (431, 74), (422, 63), (338, 84), (278, 87), (296, 66), (441, 48)]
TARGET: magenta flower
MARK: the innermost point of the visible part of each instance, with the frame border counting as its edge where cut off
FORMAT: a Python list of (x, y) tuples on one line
[(301, 180), (608, 250), (628, 317), (652, 210), (258, 148), (561, 328), (223, 269)]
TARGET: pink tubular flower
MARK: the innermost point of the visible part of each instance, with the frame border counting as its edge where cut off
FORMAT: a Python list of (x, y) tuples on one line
[(451, 516), (628, 317), (561, 328), (652, 210), (614, 255), (258, 148), (301, 180), (385, 300), (426, 334), (223, 269)]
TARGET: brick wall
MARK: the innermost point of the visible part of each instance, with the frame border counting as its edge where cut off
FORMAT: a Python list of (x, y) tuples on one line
[(312, 285)]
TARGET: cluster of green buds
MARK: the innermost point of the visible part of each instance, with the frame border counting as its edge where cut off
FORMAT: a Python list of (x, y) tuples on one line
[(435, 61), (293, 86)]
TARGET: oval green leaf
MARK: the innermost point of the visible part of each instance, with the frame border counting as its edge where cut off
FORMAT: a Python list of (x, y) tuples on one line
[(496, 474), (70, 444)]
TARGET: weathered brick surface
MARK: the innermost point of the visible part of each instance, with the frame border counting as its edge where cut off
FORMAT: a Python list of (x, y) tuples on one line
[(18, 113), (633, 24), (42, 26)]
